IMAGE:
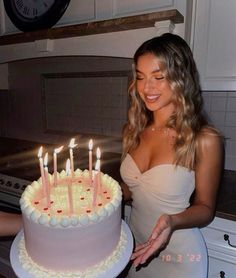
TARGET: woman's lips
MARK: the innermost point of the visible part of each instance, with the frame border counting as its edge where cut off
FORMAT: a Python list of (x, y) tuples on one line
[(151, 98)]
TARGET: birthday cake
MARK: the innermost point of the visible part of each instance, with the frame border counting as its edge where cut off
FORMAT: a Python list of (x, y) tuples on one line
[(72, 233)]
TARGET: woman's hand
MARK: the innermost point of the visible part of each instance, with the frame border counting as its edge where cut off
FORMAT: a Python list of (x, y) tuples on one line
[(156, 243)]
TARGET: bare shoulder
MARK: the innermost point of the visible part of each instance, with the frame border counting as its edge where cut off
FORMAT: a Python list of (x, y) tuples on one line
[(209, 140)]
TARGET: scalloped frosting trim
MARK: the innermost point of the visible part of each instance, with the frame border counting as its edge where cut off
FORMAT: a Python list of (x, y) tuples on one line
[(40, 272), (74, 220)]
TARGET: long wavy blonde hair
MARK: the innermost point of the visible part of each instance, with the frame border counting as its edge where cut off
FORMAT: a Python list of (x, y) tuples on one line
[(177, 65)]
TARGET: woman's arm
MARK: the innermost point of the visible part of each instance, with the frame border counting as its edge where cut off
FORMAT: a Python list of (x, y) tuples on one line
[(201, 212), (207, 178), (10, 223)]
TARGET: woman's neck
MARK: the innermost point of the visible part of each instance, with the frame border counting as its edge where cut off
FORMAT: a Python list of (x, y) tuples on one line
[(161, 117)]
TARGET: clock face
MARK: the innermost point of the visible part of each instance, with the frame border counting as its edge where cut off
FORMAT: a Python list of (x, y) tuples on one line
[(30, 15), (33, 8)]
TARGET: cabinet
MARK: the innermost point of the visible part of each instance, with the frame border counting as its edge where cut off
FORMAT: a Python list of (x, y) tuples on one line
[(220, 237), (214, 40)]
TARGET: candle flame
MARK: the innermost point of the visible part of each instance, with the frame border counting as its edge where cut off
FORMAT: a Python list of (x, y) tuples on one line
[(45, 160), (90, 145), (68, 166), (98, 153), (72, 143), (40, 152), (58, 149), (97, 165)]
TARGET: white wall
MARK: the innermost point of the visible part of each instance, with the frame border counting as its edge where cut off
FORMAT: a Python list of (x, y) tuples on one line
[(221, 108)]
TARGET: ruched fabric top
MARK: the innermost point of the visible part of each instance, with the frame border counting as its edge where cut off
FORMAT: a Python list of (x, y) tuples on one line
[(165, 188), (170, 185)]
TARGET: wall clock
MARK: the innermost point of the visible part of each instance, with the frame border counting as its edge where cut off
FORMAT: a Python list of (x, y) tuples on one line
[(30, 15)]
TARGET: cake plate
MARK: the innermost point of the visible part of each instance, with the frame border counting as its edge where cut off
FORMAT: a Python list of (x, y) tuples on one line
[(111, 272)]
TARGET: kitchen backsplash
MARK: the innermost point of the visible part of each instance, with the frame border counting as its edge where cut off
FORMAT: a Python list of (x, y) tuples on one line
[(221, 109), (50, 99)]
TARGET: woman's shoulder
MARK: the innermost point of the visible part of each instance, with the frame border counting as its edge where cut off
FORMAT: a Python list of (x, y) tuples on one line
[(209, 138)]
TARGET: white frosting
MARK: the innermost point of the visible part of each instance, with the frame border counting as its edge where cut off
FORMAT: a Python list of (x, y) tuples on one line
[(40, 272), (45, 218)]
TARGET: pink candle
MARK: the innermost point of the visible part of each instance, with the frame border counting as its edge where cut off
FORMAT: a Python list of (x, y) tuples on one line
[(47, 182), (96, 182), (90, 146), (70, 199), (99, 169), (56, 151), (40, 153), (71, 146)]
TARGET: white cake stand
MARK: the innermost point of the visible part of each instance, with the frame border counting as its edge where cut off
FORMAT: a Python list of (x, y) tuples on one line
[(111, 273)]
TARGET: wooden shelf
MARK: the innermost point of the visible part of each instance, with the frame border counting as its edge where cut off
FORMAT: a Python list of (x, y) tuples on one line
[(97, 27)]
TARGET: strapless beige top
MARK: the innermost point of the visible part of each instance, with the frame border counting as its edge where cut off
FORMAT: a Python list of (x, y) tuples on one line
[(167, 185), (164, 188)]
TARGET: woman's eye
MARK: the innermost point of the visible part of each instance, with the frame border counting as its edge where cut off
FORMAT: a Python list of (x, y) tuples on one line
[(159, 77), (139, 77)]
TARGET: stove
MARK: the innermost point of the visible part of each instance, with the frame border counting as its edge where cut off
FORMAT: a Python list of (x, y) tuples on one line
[(11, 189), (18, 168)]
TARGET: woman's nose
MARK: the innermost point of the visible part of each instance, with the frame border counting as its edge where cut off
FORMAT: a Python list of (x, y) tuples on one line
[(148, 85)]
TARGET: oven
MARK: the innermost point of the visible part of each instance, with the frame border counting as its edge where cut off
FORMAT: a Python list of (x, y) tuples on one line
[(18, 168), (15, 161), (11, 189)]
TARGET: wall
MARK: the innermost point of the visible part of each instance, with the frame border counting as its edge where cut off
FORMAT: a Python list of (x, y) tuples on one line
[(24, 121), (213, 44), (54, 98), (221, 108)]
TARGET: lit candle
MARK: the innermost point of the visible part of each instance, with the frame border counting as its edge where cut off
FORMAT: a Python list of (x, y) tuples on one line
[(90, 146), (71, 146), (98, 163), (70, 200), (96, 183), (40, 153), (47, 183), (56, 151)]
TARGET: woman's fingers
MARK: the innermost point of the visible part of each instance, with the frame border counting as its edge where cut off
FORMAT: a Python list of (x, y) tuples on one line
[(139, 250), (139, 253), (144, 251), (141, 246), (151, 250)]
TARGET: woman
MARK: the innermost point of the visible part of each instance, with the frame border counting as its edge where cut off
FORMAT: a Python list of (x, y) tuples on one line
[(169, 153)]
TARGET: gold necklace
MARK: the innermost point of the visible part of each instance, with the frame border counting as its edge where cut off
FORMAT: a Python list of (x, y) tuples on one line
[(156, 128), (159, 129)]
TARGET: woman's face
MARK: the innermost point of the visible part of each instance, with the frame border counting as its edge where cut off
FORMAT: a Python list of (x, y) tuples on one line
[(152, 85)]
